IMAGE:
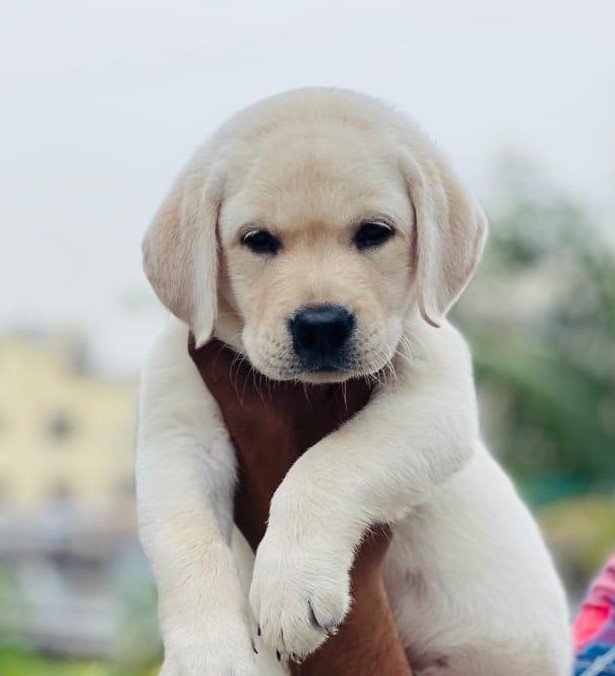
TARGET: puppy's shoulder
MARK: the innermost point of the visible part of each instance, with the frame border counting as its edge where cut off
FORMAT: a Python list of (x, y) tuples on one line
[(171, 387), (437, 350), (169, 347)]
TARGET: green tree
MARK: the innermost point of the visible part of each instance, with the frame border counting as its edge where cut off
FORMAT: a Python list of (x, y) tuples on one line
[(541, 319)]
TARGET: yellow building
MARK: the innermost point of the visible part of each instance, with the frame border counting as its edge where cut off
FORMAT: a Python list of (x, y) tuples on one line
[(66, 434)]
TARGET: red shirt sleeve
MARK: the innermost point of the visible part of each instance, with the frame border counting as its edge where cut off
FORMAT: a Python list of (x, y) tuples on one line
[(596, 608)]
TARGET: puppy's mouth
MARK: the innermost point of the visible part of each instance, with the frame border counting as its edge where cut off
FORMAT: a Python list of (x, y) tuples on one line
[(287, 366), (344, 368), (323, 344), (328, 365), (327, 372)]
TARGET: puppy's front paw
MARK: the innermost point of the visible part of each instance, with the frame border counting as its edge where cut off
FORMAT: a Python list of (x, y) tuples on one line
[(219, 653), (180, 667), (298, 596)]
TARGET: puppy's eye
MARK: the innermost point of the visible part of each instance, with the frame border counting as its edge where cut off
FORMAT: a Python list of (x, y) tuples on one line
[(372, 234), (261, 242)]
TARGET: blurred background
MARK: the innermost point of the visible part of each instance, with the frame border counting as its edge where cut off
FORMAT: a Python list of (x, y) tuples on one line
[(101, 104)]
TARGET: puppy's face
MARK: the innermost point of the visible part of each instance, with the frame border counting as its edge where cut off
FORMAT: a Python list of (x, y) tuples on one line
[(316, 255), (307, 230)]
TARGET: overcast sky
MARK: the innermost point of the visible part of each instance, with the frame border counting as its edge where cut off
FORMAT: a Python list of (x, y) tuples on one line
[(102, 101)]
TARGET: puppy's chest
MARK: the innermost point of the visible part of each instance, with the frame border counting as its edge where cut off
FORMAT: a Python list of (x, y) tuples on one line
[(271, 424)]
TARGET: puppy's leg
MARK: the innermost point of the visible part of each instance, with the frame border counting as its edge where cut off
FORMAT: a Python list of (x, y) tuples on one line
[(492, 659), (472, 585), (185, 479), (414, 433)]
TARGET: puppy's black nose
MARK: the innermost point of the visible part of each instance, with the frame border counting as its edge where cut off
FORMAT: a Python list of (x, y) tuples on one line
[(321, 334)]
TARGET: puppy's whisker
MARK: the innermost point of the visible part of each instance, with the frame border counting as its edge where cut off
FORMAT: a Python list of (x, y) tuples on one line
[(415, 339), (389, 370), (404, 351), (236, 364)]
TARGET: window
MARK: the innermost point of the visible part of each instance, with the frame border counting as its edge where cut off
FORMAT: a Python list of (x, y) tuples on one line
[(61, 427), (60, 494)]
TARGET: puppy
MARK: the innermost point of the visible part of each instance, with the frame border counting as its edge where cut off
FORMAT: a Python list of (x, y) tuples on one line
[(323, 237)]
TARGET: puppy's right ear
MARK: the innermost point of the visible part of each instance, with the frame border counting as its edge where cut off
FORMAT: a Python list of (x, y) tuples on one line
[(451, 229), (180, 250)]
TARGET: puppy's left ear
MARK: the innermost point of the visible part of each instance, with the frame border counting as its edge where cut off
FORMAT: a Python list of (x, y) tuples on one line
[(451, 229), (180, 249)]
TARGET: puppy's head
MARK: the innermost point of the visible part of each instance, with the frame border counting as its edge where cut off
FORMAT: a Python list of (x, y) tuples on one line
[(308, 231)]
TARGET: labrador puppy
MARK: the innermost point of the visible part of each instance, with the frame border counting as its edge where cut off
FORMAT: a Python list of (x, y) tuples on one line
[(323, 237)]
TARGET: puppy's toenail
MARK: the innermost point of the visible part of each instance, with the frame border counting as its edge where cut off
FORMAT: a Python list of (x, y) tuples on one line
[(313, 619)]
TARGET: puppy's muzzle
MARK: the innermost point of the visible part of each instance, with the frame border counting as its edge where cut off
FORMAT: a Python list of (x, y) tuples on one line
[(321, 337)]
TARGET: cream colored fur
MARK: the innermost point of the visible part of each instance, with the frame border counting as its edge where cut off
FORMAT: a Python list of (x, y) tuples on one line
[(470, 581)]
